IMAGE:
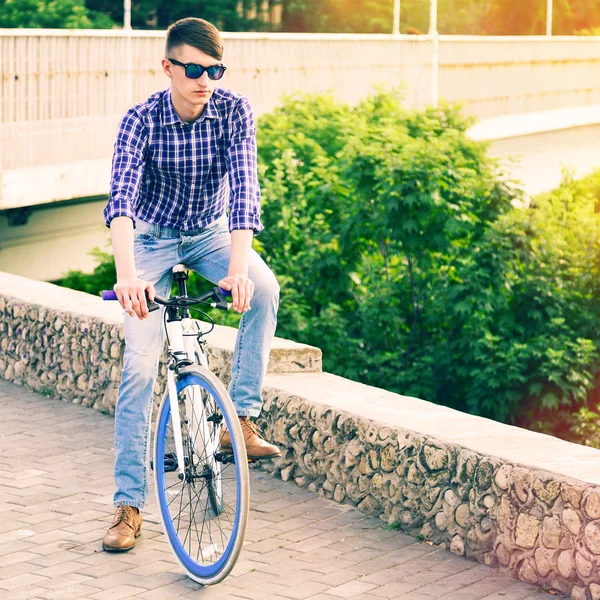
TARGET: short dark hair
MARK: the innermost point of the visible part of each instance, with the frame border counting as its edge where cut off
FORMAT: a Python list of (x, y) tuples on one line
[(197, 33)]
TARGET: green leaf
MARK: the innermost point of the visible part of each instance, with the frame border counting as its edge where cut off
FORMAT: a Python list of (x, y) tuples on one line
[(550, 401)]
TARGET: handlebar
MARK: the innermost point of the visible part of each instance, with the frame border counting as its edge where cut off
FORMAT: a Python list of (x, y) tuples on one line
[(217, 297)]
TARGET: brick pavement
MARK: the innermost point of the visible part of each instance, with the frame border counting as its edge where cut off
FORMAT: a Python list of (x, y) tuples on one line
[(56, 462)]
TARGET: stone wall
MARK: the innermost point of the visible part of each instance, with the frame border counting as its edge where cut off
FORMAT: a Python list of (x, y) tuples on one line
[(78, 359), (397, 458), (541, 527), (69, 344)]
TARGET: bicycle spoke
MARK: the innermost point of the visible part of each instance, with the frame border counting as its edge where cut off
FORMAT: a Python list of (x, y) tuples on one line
[(198, 536), (204, 521), (188, 503)]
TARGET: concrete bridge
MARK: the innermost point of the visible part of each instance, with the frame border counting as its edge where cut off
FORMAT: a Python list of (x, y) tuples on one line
[(63, 92)]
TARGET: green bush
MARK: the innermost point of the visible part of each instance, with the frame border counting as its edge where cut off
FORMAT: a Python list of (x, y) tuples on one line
[(375, 212), (61, 14), (552, 309), (103, 277), (586, 427), (412, 268)]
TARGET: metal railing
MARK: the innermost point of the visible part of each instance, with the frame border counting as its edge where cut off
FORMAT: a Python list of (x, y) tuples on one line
[(62, 92)]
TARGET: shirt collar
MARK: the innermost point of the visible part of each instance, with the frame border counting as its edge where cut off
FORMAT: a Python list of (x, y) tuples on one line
[(170, 116)]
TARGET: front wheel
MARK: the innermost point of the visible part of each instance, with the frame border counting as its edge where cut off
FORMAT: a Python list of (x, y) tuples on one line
[(204, 514)]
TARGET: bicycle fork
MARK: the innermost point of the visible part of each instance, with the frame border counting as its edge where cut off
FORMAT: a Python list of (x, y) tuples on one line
[(197, 421)]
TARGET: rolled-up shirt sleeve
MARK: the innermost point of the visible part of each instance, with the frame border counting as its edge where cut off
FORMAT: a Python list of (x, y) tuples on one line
[(244, 202), (127, 168)]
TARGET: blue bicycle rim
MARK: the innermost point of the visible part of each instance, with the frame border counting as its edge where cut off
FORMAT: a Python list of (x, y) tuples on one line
[(192, 566)]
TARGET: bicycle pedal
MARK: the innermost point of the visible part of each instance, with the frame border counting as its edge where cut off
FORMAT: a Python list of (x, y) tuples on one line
[(257, 459), (225, 458), (171, 462)]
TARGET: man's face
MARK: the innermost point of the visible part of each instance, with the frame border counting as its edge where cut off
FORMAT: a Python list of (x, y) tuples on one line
[(196, 92)]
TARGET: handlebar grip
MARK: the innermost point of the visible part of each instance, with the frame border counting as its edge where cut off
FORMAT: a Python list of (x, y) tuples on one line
[(225, 293), (109, 295)]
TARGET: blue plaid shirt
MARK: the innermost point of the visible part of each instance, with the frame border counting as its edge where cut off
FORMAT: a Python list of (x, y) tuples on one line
[(185, 176)]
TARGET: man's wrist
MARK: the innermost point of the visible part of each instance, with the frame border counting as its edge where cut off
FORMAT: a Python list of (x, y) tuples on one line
[(241, 246), (126, 275), (237, 272)]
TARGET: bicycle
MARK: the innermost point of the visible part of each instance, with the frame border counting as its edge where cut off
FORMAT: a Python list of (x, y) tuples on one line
[(201, 490)]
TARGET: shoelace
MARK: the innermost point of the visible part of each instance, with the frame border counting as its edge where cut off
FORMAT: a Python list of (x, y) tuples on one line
[(252, 427), (121, 514)]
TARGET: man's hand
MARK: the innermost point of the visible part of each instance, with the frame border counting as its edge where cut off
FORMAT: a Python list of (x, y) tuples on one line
[(129, 288), (242, 290), (132, 296)]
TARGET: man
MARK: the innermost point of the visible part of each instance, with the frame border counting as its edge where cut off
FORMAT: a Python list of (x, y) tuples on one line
[(182, 159)]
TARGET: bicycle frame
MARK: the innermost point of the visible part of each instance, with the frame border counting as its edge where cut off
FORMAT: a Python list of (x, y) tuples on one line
[(183, 345)]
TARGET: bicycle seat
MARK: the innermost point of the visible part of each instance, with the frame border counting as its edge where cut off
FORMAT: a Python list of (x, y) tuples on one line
[(180, 268)]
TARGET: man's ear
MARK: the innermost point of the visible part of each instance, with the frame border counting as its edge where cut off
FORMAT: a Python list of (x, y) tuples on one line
[(167, 66)]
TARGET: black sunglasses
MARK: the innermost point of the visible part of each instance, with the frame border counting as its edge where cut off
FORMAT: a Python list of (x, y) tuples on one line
[(193, 71)]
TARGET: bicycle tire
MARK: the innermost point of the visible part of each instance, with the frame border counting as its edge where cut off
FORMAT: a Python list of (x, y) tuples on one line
[(206, 563)]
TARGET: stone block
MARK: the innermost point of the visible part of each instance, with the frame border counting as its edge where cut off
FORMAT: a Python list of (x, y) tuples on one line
[(527, 573), (457, 546), (565, 564), (435, 458), (571, 520), (578, 593), (551, 532), (591, 504), (462, 514), (572, 494), (548, 491), (527, 531), (543, 561), (591, 537), (595, 591), (583, 565)]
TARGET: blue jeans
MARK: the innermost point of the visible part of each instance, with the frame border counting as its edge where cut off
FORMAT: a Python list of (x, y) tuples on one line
[(157, 250)]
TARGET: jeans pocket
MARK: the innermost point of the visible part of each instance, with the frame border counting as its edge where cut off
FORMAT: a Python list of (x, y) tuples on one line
[(144, 241), (144, 231), (217, 223), (143, 236)]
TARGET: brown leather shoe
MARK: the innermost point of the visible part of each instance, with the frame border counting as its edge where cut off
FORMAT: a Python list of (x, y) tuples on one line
[(127, 525), (256, 446)]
